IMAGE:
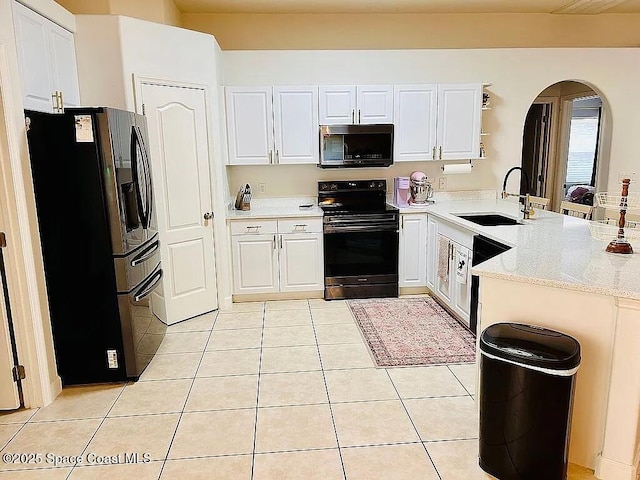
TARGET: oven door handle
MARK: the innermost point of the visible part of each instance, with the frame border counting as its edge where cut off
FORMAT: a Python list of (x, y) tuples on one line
[(360, 228)]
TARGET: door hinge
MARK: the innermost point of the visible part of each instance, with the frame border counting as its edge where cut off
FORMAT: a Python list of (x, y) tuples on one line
[(19, 373), (3, 240), (144, 109)]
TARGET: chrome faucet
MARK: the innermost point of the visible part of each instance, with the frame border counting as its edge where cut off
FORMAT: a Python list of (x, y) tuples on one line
[(527, 208)]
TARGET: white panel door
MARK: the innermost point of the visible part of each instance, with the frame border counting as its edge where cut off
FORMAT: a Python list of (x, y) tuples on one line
[(415, 113), (9, 398), (297, 137), (375, 104), (301, 262), (250, 125), (179, 146), (459, 121), (337, 104), (34, 58), (432, 245), (255, 264), (63, 62), (412, 254)]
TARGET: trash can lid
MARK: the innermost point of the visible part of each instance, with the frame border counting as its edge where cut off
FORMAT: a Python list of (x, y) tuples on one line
[(531, 345)]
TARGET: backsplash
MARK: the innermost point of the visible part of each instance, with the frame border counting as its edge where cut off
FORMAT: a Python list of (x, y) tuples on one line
[(302, 180)]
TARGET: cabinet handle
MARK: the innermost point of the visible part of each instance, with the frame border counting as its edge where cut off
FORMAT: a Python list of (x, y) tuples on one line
[(440, 152), (402, 223), (254, 227), (433, 154), (300, 226), (358, 115), (353, 116), (280, 242), (274, 243), (277, 160), (270, 157)]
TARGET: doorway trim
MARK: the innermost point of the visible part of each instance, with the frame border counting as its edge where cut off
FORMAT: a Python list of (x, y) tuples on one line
[(34, 343), (552, 156)]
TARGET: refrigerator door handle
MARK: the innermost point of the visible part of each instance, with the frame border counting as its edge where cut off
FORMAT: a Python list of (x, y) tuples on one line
[(146, 254), (139, 169), (148, 286)]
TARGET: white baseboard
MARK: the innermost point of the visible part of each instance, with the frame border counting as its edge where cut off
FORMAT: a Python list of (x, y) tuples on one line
[(611, 470)]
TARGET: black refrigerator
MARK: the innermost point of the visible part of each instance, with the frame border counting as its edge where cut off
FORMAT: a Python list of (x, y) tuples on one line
[(94, 201)]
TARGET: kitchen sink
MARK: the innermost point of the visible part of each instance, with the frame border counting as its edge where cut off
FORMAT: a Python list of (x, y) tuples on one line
[(489, 219)]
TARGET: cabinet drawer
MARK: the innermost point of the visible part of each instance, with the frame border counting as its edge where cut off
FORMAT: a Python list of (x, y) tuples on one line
[(253, 227), (300, 225)]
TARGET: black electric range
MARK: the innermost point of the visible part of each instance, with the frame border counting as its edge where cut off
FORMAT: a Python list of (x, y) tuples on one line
[(360, 234)]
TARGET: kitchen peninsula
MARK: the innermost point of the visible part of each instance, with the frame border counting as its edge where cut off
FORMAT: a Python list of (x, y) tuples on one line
[(558, 276)]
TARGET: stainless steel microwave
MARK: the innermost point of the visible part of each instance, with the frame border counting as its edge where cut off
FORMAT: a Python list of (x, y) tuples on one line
[(351, 146)]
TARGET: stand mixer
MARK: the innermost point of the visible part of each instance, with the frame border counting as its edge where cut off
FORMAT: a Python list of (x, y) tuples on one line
[(421, 190)]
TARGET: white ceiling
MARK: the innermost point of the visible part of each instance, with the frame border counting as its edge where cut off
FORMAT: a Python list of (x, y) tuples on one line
[(410, 6)]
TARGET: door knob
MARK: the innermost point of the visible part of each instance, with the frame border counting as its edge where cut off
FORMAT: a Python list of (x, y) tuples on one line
[(208, 216)]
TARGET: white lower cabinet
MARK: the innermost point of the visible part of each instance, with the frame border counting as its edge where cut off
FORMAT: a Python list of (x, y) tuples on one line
[(449, 266), (272, 256), (412, 254)]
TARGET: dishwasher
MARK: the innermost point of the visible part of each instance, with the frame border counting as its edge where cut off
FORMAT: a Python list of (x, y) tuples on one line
[(484, 248)]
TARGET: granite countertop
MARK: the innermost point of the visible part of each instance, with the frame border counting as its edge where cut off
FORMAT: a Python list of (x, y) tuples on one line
[(549, 249), (277, 208)]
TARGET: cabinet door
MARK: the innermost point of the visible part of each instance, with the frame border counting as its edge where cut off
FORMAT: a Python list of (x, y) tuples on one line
[(412, 255), (461, 282), (444, 252), (297, 137), (432, 252), (34, 58), (249, 125), (255, 267), (459, 119), (337, 104), (415, 112), (301, 263), (63, 63), (375, 104)]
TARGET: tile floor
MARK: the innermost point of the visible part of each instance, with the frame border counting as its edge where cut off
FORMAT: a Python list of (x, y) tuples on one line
[(266, 391)]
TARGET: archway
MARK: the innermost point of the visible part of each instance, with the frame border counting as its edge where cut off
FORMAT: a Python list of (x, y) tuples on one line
[(565, 148)]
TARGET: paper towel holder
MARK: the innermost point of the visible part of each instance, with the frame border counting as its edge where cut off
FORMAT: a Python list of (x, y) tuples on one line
[(442, 167)]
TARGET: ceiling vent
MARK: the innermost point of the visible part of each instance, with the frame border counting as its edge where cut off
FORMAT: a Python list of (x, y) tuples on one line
[(587, 7)]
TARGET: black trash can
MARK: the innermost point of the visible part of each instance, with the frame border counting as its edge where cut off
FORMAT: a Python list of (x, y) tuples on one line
[(527, 380)]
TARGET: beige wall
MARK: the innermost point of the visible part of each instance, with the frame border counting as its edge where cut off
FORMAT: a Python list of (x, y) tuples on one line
[(386, 31), (159, 11)]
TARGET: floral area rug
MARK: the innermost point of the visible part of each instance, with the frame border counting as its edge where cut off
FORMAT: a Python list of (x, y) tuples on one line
[(412, 331)]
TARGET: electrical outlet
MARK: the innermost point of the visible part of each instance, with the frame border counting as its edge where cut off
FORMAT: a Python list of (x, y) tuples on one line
[(262, 188), (442, 183)]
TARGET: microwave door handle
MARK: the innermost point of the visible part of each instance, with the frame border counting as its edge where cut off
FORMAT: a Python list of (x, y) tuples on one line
[(138, 169), (149, 286)]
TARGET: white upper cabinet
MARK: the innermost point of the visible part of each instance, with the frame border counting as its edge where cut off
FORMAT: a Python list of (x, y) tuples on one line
[(415, 116), (271, 125), (337, 104), (47, 62), (348, 104), (250, 125), (297, 138), (459, 121)]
